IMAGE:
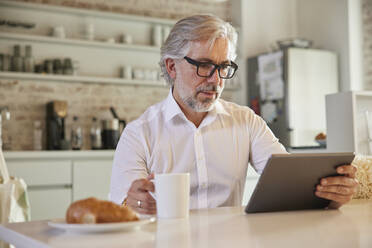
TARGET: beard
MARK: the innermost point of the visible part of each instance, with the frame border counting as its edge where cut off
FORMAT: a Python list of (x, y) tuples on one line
[(190, 97)]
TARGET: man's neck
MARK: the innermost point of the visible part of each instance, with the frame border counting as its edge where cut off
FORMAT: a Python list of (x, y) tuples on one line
[(194, 117), (191, 115)]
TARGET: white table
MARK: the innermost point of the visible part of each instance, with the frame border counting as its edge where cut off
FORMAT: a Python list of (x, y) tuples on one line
[(351, 226)]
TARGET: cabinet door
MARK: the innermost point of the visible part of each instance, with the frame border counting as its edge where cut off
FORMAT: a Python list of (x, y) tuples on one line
[(49, 203), (42, 172), (91, 178)]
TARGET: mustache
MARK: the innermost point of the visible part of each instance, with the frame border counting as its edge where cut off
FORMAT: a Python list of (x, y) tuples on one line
[(211, 87)]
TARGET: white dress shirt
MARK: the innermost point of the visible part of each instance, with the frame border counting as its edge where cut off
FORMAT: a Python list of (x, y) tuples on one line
[(216, 154)]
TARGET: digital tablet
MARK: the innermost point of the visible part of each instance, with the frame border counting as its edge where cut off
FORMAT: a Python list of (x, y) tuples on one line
[(288, 181)]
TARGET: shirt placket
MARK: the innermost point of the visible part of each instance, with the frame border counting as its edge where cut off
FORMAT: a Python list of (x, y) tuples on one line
[(202, 170)]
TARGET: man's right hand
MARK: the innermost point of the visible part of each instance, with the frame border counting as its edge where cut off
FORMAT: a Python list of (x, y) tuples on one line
[(139, 198)]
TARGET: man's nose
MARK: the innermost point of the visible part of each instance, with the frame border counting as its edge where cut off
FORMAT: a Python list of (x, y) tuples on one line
[(215, 77)]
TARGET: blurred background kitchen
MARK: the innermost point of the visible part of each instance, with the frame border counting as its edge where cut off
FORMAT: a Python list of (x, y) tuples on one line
[(74, 72)]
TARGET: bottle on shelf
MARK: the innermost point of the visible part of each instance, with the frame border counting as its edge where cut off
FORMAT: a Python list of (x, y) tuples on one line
[(29, 62), (38, 135), (57, 66), (67, 67), (48, 66), (6, 63), (76, 135), (2, 62), (17, 60), (95, 135)]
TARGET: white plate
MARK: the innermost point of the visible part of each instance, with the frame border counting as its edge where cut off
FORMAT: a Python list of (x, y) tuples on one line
[(102, 227)]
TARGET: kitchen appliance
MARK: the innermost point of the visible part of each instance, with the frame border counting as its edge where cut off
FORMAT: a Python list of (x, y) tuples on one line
[(288, 88), (110, 133), (55, 122), (111, 130)]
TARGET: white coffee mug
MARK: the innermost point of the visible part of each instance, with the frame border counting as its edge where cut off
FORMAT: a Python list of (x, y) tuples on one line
[(126, 72), (59, 32), (138, 74), (127, 39), (172, 194)]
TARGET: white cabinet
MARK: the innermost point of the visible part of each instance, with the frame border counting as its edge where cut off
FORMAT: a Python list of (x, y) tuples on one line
[(49, 185), (91, 178), (57, 178), (48, 203), (346, 122), (42, 172)]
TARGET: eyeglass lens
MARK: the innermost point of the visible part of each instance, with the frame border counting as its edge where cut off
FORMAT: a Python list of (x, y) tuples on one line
[(206, 70)]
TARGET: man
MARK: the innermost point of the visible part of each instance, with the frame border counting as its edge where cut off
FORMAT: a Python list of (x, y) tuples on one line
[(195, 131)]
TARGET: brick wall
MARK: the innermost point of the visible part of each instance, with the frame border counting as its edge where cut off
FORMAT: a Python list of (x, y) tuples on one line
[(27, 99), (367, 42)]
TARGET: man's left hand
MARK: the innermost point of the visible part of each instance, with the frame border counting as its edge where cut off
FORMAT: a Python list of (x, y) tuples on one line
[(338, 189)]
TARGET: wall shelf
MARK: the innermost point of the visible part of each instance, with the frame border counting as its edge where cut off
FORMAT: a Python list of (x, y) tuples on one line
[(84, 12), (79, 79), (76, 42), (87, 79)]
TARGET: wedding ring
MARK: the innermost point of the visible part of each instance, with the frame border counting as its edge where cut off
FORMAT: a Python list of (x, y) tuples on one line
[(139, 204)]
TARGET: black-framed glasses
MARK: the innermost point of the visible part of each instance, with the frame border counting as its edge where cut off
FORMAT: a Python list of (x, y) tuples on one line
[(206, 69)]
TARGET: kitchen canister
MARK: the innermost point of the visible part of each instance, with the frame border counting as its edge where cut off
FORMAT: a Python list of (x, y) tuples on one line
[(126, 72), (59, 32), (88, 31)]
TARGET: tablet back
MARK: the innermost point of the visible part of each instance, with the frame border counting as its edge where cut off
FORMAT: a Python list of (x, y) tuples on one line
[(288, 181)]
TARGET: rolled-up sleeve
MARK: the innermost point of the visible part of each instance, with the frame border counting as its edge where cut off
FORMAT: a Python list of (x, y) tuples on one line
[(129, 163)]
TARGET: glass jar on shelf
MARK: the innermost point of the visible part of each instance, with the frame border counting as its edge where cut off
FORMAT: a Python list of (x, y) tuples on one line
[(76, 135), (95, 135)]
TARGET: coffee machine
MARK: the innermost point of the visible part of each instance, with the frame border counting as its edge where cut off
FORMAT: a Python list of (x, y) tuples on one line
[(55, 122)]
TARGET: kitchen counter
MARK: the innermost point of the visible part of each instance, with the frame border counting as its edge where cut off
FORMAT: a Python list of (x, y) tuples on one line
[(58, 154), (351, 226)]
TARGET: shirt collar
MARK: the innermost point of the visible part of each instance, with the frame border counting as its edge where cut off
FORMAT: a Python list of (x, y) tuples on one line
[(172, 109)]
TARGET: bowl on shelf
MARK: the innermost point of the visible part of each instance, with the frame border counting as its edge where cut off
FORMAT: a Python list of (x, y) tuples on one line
[(321, 142)]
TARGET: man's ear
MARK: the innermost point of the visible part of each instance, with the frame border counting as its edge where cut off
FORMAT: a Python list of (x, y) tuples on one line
[(171, 67)]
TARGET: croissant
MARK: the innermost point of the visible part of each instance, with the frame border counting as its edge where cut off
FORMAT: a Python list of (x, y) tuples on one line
[(92, 210)]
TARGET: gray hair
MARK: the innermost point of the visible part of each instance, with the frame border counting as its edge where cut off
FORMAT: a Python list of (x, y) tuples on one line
[(195, 28)]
